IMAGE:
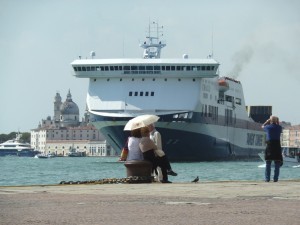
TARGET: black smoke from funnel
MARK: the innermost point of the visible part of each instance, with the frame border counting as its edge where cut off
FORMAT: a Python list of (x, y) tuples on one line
[(241, 59)]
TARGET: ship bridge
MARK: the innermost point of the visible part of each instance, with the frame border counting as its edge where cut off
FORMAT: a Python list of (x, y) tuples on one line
[(114, 68)]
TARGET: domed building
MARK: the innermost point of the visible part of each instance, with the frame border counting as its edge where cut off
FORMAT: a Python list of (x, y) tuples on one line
[(65, 132), (69, 113)]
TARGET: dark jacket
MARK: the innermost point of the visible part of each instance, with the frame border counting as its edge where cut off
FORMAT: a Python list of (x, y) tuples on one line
[(273, 150)]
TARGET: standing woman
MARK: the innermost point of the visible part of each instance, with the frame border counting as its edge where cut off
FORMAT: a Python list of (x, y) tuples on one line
[(273, 149)]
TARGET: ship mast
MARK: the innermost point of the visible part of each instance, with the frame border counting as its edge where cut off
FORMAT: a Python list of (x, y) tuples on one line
[(152, 46)]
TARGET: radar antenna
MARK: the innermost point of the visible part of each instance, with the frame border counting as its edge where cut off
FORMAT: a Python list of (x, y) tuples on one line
[(152, 46)]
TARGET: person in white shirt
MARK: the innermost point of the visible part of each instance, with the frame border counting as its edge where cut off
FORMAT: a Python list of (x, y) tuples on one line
[(162, 157), (134, 151)]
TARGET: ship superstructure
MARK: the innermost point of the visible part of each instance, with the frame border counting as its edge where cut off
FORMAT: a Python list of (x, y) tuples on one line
[(203, 116)]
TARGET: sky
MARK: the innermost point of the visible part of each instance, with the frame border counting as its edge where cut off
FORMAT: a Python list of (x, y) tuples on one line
[(256, 42)]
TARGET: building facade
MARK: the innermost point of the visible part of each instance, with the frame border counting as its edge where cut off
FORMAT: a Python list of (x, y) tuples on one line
[(65, 132), (291, 136)]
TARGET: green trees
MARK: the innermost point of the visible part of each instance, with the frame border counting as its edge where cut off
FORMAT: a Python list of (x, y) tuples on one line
[(25, 137)]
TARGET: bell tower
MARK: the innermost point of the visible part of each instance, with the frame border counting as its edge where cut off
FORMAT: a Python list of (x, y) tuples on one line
[(57, 104)]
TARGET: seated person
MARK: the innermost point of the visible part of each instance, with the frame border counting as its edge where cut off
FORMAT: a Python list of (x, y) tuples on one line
[(134, 151), (148, 148), (156, 138)]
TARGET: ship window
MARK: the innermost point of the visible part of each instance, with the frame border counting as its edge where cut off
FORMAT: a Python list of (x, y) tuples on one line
[(126, 67), (88, 68), (136, 93), (146, 93), (156, 67), (202, 67), (166, 79), (75, 68), (79, 68), (142, 67), (106, 68), (188, 68), (120, 67), (167, 67), (102, 68), (141, 93), (116, 68), (238, 101), (97, 68), (153, 79), (194, 68), (228, 98), (208, 68), (92, 68), (130, 93), (152, 93), (133, 67), (149, 67), (173, 68), (198, 68), (163, 68), (83, 69), (178, 67), (212, 68), (111, 68), (121, 79)]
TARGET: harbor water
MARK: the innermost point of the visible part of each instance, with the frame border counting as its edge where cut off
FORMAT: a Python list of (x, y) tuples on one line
[(15, 171)]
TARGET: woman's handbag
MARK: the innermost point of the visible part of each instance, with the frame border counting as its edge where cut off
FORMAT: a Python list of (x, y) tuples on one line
[(124, 152)]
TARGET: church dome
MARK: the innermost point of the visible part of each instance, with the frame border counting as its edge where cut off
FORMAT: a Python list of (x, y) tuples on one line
[(69, 107)]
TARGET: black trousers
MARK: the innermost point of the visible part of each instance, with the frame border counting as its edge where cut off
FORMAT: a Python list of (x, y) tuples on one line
[(157, 161)]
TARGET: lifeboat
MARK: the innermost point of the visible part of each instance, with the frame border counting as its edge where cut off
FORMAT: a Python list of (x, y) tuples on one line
[(223, 85)]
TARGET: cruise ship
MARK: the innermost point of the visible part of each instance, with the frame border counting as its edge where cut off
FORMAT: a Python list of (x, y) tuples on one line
[(203, 115), (16, 148)]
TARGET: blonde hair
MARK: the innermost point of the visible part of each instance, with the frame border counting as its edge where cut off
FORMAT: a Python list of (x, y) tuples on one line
[(274, 119)]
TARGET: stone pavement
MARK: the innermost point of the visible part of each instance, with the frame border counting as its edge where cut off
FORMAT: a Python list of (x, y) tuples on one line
[(228, 202)]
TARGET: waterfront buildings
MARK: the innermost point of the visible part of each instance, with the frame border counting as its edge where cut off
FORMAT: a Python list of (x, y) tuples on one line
[(291, 136), (64, 132)]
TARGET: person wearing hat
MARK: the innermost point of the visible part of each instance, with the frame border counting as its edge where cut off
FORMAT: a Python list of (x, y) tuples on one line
[(273, 148)]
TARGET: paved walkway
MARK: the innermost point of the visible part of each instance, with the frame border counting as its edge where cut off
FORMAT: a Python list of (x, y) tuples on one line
[(235, 202)]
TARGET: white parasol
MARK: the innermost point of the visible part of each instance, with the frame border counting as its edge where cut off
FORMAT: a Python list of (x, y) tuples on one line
[(140, 121)]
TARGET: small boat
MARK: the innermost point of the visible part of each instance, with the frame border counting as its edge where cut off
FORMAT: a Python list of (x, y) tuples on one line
[(45, 156), (77, 154), (290, 155)]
